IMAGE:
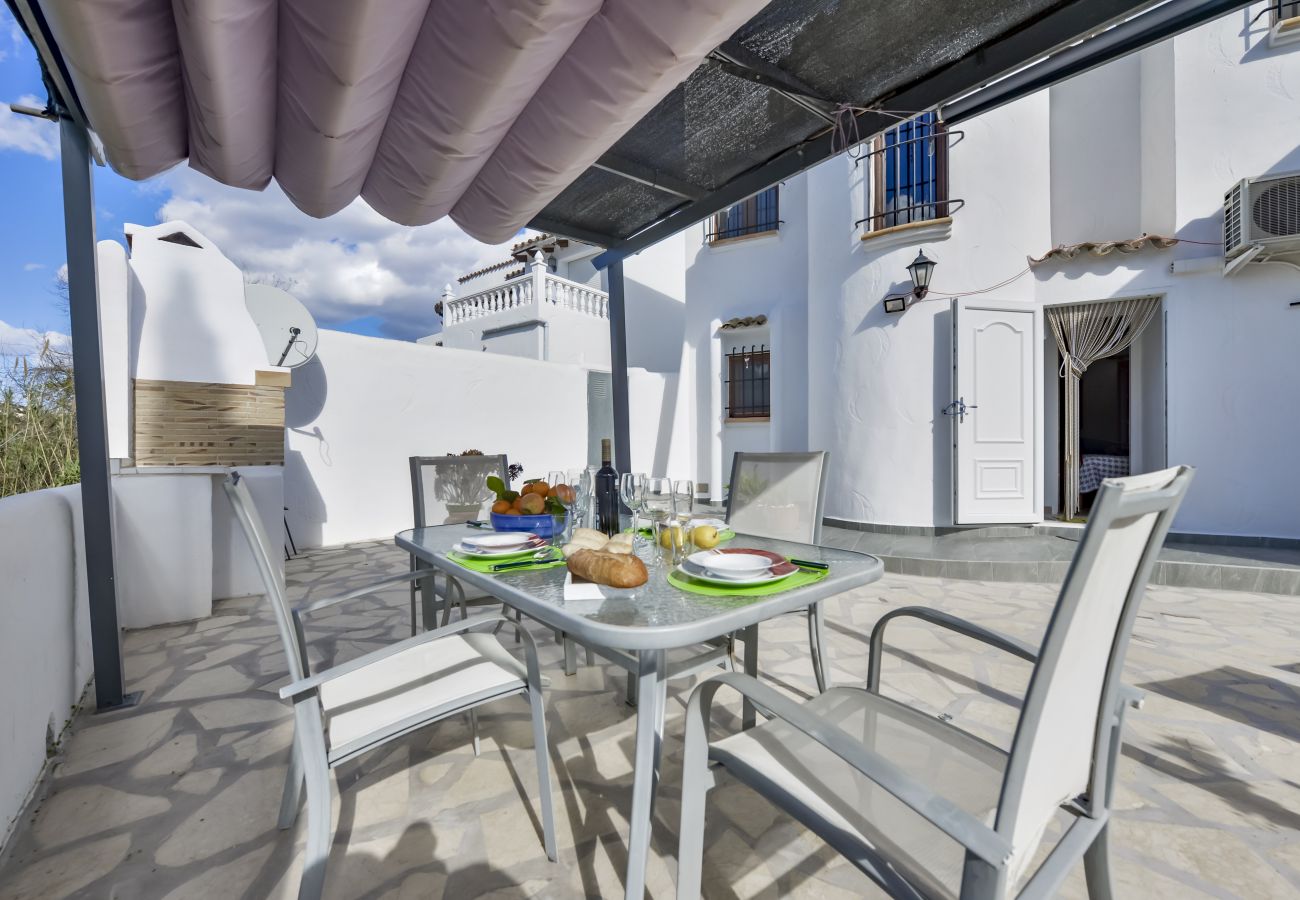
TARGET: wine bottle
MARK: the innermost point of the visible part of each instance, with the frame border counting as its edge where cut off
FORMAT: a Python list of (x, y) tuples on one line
[(606, 489)]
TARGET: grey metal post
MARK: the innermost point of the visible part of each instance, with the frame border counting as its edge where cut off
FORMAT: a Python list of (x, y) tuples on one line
[(618, 368), (92, 430)]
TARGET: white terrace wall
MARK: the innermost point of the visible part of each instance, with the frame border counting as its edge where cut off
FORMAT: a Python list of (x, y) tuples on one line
[(357, 412), (45, 659)]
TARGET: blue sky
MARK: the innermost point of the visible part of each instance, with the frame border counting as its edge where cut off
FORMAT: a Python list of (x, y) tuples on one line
[(356, 271)]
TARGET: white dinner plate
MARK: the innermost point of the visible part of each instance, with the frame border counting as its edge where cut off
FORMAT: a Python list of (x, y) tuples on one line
[(732, 565), (702, 574), (499, 540), (477, 553)]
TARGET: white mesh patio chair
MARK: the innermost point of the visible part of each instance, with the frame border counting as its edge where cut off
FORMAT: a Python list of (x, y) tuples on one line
[(781, 496), (449, 490), (926, 809), (362, 704)]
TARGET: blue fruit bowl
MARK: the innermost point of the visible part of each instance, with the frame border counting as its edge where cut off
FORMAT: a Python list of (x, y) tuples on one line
[(545, 525)]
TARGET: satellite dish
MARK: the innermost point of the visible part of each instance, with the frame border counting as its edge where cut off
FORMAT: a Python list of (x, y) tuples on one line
[(288, 330)]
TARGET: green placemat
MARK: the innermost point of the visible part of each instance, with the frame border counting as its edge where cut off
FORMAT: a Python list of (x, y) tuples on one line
[(798, 579), (485, 565)]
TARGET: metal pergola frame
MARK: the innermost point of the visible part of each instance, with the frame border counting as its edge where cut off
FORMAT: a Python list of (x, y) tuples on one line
[(969, 86)]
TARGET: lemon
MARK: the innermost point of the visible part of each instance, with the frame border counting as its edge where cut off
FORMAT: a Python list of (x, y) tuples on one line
[(705, 537)]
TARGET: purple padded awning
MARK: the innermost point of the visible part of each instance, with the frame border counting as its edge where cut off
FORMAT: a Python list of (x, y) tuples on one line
[(483, 110)]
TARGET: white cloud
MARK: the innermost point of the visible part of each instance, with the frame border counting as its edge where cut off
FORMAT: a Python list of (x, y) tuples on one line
[(32, 267), (27, 134), (15, 341), (353, 264)]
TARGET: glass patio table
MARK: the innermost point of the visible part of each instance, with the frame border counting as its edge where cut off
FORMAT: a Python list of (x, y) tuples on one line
[(636, 628)]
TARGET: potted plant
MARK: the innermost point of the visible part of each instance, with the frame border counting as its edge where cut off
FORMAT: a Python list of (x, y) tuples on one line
[(461, 488)]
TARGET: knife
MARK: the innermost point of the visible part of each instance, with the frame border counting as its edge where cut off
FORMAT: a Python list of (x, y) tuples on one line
[(520, 563), (805, 564)]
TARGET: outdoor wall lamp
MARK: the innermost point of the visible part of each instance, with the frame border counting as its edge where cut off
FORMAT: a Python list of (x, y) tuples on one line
[(921, 271)]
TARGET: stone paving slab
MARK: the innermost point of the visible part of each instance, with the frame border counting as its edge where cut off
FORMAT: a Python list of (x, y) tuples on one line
[(1029, 556), (178, 797)]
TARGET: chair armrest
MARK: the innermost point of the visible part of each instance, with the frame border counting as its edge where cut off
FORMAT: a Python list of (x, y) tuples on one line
[(943, 620), (297, 689), (371, 588), (945, 815)]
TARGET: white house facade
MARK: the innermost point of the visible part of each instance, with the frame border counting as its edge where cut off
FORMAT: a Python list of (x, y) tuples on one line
[(1147, 145)]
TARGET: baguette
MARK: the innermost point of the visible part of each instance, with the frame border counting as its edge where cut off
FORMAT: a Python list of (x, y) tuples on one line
[(620, 570)]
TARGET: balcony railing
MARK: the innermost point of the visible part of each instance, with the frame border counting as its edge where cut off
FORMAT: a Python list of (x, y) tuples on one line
[(907, 171), (758, 214), (536, 284)]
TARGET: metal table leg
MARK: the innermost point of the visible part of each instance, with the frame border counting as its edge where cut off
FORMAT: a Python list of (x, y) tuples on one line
[(748, 715), (429, 601), (652, 697)]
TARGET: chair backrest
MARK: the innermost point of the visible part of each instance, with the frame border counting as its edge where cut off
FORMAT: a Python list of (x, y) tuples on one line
[(1061, 750), (449, 490), (264, 555), (778, 495)]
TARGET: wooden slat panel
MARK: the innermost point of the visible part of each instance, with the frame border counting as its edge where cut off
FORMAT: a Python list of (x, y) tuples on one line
[(183, 423)]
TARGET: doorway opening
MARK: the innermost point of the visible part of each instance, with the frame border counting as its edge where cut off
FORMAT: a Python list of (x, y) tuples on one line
[(1104, 423), (1120, 415)]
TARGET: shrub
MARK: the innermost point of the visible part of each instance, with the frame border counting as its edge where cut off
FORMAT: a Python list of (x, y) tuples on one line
[(38, 423)]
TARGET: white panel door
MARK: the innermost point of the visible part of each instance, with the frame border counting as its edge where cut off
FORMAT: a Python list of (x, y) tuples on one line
[(996, 412)]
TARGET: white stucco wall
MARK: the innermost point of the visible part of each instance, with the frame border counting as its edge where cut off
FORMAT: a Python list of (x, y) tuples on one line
[(234, 573), (876, 382), (114, 284), (365, 406), (45, 659), (1149, 143), (188, 318), (768, 275)]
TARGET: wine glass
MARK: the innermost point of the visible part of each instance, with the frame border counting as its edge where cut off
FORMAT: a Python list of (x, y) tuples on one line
[(631, 491), (589, 511)]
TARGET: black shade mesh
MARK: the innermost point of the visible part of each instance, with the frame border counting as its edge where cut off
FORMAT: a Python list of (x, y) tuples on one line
[(716, 126)]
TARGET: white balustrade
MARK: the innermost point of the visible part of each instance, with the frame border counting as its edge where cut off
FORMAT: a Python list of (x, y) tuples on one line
[(522, 291)]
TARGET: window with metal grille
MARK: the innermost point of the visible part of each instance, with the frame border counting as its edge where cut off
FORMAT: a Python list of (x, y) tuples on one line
[(907, 174), (749, 382), (756, 215)]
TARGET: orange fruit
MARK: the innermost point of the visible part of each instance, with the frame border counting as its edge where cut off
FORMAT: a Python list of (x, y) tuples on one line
[(563, 493), (501, 507), (518, 503)]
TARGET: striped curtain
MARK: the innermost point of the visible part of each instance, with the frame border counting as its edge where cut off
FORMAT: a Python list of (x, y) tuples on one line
[(1085, 333)]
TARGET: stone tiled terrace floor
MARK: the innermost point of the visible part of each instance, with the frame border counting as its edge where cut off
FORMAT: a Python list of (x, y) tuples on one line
[(178, 797)]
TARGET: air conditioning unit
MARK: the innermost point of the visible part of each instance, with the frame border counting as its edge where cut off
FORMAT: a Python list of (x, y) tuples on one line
[(1262, 216)]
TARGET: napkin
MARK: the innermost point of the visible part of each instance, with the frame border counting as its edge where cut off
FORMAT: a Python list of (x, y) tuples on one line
[(582, 590)]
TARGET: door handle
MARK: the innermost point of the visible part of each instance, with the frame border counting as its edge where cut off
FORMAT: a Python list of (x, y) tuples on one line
[(958, 408)]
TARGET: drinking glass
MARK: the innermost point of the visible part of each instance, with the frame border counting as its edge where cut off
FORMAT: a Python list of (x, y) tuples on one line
[(631, 490), (684, 512), (555, 478), (657, 502), (580, 482)]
